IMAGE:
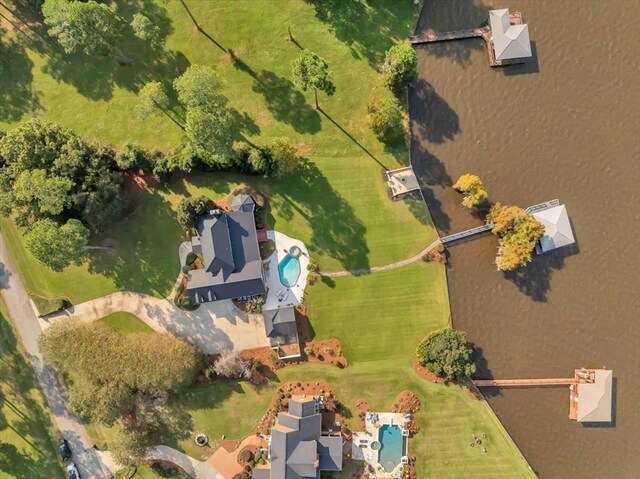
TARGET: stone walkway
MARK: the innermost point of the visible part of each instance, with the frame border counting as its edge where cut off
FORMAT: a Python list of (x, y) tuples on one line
[(397, 264), (213, 327)]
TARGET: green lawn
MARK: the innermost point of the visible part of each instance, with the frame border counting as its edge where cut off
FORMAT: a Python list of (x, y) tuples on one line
[(125, 323), (27, 435)]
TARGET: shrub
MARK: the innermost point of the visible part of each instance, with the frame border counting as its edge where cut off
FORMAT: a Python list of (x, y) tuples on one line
[(186, 268), (308, 351), (189, 209), (128, 157), (337, 364), (191, 258), (245, 456), (447, 353), (399, 67), (231, 365), (386, 118), (329, 351), (210, 372)]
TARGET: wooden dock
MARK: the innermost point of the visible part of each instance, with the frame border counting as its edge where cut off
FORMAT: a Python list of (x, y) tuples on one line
[(505, 383), (485, 33), (448, 36), (466, 233)]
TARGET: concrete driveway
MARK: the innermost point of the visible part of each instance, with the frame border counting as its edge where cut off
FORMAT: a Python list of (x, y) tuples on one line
[(213, 327)]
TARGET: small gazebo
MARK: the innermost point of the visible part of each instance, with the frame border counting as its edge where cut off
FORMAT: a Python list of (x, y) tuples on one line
[(557, 229)]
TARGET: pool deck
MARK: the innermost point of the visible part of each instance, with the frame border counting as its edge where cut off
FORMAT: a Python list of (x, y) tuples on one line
[(361, 445), (279, 295)]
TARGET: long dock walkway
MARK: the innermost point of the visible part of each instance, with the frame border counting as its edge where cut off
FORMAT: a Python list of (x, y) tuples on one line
[(447, 36), (466, 233), (502, 383)]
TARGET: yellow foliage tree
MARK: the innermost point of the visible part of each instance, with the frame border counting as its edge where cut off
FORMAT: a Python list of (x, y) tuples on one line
[(472, 188)]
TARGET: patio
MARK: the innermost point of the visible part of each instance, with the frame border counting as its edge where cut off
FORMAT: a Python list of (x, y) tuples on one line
[(364, 443), (401, 181), (279, 295)]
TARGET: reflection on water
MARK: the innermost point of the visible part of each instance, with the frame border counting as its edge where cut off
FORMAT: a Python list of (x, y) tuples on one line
[(565, 125)]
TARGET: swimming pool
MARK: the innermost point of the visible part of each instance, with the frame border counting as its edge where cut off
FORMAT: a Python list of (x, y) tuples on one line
[(289, 270), (392, 449)]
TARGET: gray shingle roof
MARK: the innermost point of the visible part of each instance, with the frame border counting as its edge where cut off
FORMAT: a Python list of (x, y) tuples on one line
[(243, 203), (298, 451), (232, 263), (509, 41), (279, 322)]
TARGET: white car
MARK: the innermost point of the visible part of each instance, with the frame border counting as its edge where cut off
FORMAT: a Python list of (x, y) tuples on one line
[(72, 471)]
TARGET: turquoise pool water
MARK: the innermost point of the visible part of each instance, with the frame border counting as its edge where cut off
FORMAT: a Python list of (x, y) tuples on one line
[(289, 269), (392, 449)]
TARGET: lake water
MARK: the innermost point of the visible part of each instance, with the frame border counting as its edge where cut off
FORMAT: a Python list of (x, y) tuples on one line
[(566, 126)]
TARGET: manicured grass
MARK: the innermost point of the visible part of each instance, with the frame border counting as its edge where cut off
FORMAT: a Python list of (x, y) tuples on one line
[(379, 319), (27, 434), (125, 323), (337, 206), (146, 472)]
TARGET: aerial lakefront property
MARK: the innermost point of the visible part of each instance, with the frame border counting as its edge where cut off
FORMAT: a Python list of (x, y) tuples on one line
[(221, 252)]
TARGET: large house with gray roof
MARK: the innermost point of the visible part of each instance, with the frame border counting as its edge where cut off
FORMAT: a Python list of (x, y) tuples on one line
[(228, 243), (297, 448)]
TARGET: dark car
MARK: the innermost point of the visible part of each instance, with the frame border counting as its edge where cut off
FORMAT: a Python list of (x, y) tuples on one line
[(72, 471), (65, 451)]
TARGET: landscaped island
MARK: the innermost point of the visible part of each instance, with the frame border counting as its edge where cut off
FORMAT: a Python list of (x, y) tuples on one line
[(331, 204)]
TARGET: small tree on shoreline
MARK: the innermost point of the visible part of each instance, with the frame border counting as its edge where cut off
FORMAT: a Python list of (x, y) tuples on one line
[(472, 188), (399, 68), (447, 354)]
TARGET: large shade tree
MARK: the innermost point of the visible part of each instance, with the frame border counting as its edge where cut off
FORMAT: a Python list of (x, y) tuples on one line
[(124, 379), (311, 71), (399, 68), (87, 26), (447, 353), (57, 246)]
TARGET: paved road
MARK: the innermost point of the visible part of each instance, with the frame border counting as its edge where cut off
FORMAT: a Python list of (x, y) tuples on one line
[(90, 462)]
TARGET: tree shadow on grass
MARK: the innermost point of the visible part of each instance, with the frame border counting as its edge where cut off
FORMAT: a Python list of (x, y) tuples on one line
[(96, 77), (17, 95), (368, 27), (28, 421), (146, 243), (336, 231), (467, 14), (286, 103)]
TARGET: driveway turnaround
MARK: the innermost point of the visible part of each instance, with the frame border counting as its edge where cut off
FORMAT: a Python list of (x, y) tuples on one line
[(213, 327)]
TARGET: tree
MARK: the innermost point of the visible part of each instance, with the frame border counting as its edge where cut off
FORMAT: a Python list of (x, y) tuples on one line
[(447, 353), (518, 233), (131, 446), (311, 71), (190, 209), (119, 377), (399, 68), (49, 193), (386, 118), (90, 26), (152, 99), (231, 365), (284, 160), (210, 133), (48, 171), (57, 246), (199, 86), (472, 188), (144, 29)]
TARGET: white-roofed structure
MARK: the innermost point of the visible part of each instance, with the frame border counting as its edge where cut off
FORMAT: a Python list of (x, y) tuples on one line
[(594, 400), (557, 228), (509, 41)]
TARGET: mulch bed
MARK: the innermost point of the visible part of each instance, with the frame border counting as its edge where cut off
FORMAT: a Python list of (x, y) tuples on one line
[(424, 373), (362, 408), (280, 402), (406, 402), (137, 184), (252, 449)]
